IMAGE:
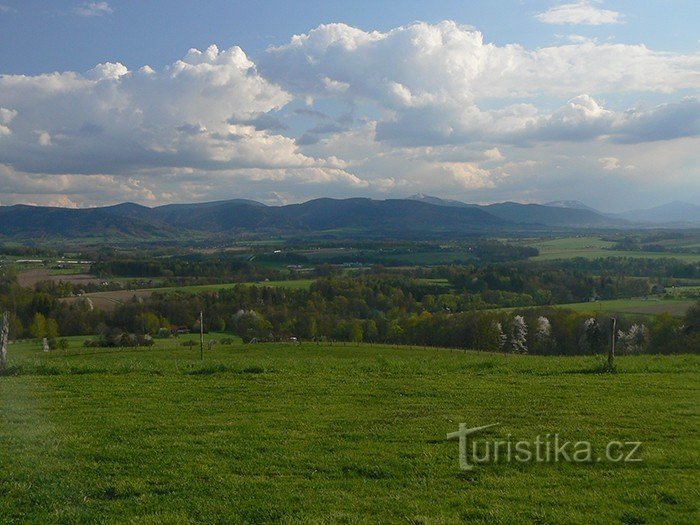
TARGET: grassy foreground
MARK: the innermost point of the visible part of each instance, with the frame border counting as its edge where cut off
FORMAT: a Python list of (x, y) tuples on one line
[(337, 434)]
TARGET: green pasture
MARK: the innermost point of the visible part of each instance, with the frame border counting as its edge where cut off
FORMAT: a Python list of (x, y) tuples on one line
[(280, 433)]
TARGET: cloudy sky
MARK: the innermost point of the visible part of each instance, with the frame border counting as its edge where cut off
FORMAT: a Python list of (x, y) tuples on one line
[(283, 101)]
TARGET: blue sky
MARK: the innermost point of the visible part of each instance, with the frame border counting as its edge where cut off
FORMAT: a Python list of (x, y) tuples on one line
[(482, 101)]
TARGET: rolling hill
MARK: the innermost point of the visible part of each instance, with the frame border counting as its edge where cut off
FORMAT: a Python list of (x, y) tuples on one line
[(557, 213), (418, 215), (673, 212)]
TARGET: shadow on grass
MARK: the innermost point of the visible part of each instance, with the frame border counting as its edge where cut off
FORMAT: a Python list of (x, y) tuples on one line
[(598, 368), (223, 369), (43, 370)]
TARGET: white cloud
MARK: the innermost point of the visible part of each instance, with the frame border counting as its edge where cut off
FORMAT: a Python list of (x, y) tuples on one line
[(493, 154), (424, 107), (468, 175), (582, 12), (422, 65), (609, 163), (44, 138), (114, 119), (430, 82), (614, 164), (94, 9), (198, 114)]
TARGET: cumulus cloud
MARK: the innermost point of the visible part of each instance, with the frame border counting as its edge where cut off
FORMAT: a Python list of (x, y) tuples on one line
[(431, 81), (583, 118), (423, 64), (583, 12), (111, 119), (94, 9), (209, 112), (341, 111)]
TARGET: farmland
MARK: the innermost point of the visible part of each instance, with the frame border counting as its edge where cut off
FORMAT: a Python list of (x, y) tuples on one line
[(645, 306), (313, 433), (638, 306), (592, 247)]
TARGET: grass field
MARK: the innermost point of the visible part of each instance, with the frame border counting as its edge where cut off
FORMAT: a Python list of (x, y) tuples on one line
[(674, 307), (593, 247), (341, 434)]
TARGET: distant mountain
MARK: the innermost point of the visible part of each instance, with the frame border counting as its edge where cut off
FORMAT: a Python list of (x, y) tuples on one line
[(437, 201), (35, 222), (673, 212), (388, 215), (557, 213), (551, 215), (354, 216), (574, 205), (419, 215)]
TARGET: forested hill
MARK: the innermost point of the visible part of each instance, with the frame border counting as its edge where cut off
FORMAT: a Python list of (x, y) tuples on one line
[(358, 216)]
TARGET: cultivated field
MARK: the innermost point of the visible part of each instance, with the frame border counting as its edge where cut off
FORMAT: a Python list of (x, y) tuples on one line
[(29, 278), (337, 434)]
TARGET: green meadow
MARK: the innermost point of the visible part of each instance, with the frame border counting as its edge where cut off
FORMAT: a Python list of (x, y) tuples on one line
[(292, 284), (280, 433), (673, 307), (592, 247)]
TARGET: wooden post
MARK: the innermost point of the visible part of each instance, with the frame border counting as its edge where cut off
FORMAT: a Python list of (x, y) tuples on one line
[(201, 336), (3, 340), (613, 339)]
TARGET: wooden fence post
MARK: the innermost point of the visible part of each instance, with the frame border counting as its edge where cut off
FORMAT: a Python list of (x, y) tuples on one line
[(3, 340), (201, 335), (613, 339)]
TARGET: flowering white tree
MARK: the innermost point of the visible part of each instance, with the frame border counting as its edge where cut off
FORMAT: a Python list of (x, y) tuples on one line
[(518, 335), (501, 336), (592, 337), (543, 336), (634, 340)]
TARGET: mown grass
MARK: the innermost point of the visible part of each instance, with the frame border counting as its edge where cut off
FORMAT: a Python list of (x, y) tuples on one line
[(336, 434)]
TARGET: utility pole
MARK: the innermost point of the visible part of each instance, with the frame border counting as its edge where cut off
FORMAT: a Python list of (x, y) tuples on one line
[(3, 340), (613, 339), (201, 336)]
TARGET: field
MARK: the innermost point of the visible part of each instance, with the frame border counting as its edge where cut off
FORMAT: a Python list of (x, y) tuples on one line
[(112, 299), (593, 247), (337, 434), (673, 307), (29, 278)]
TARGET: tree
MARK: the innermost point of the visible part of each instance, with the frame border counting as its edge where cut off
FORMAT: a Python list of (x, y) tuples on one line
[(149, 323), (518, 336), (592, 340), (51, 329), (356, 332), (38, 327), (544, 342), (634, 340), (501, 337)]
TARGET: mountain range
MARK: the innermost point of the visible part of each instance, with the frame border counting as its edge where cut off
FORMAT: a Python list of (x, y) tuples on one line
[(419, 214)]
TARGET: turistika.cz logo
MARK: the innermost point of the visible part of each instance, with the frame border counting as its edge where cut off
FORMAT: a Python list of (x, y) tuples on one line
[(551, 448)]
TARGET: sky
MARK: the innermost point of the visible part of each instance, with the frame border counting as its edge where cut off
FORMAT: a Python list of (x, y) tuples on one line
[(284, 101)]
